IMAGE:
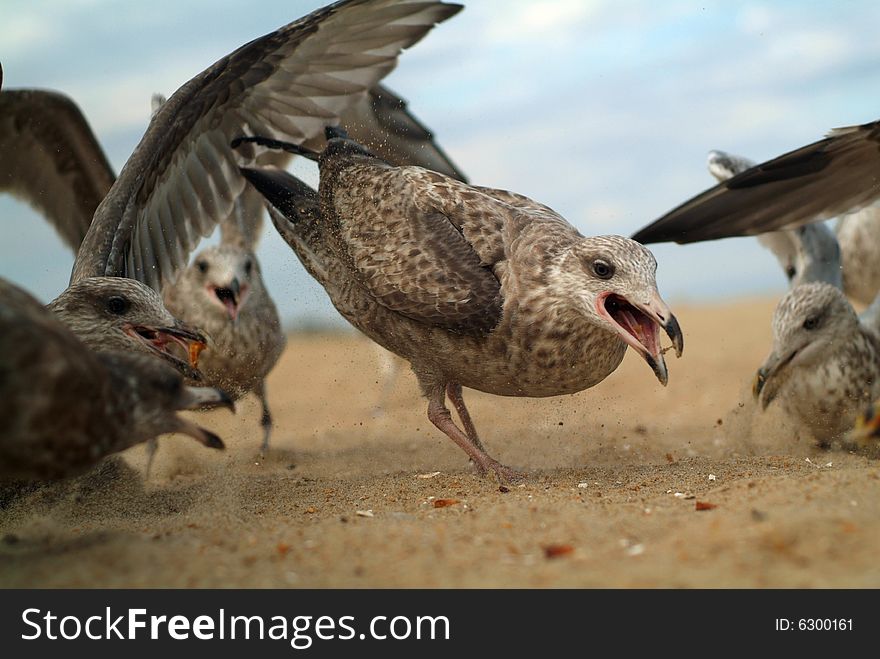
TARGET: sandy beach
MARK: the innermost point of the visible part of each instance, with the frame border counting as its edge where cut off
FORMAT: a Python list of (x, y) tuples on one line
[(631, 485)]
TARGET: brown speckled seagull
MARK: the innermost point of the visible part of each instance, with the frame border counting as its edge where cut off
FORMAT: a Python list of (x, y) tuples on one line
[(475, 287), (825, 363), (63, 407)]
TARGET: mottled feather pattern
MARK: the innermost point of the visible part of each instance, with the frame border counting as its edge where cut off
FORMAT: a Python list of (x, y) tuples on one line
[(240, 353), (64, 406), (836, 369), (429, 271)]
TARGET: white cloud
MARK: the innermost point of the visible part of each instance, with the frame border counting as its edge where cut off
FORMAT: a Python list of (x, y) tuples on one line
[(528, 20)]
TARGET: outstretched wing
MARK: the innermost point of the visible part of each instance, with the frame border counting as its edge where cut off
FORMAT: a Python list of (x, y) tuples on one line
[(183, 177), (52, 160), (821, 180)]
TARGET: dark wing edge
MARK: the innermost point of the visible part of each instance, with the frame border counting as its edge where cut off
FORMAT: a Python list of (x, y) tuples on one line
[(816, 182)]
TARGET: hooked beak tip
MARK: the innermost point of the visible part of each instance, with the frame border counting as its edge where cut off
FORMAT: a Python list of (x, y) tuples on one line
[(659, 367), (673, 331)]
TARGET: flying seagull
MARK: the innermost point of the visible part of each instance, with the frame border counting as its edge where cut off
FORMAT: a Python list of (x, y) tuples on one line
[(823, 368), (475, 287)]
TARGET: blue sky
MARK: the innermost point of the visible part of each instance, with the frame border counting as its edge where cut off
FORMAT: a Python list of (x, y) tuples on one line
[(603, 110)]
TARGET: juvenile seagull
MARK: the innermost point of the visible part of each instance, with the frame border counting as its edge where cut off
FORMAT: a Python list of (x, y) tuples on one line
[(222, 293), (475, 287), (825, 363), (222, 290), (63, 407)]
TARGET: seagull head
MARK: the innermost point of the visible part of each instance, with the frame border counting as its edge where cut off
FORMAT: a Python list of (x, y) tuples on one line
[(811, 322), (154, 392), (612, 279), (224, 276), (120, 314)]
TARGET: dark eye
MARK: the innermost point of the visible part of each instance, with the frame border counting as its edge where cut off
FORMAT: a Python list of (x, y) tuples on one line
[(603, 269), (118, 305), (248, 266), (790, 272), (202, 266), (811, 323)]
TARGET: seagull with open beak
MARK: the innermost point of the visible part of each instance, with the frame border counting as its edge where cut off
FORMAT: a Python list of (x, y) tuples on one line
[(476, 287), (222, 292)]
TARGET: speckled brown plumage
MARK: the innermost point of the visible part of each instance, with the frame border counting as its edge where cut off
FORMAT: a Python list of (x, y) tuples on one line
[(825, 363), (474, 287), (63, 407), (222, 293)]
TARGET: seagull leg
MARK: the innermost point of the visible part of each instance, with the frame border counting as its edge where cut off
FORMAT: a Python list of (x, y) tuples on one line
[(265, 418), (439, 415), (453, 391)]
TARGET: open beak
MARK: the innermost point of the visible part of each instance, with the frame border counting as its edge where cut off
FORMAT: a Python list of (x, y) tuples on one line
[(159, 339), (770, 378), (201, 435), (639, 326), (202, 398), (230, 297)]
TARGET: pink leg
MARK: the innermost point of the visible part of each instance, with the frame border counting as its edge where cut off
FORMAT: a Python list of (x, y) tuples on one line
[(440, 417), (453, 391)]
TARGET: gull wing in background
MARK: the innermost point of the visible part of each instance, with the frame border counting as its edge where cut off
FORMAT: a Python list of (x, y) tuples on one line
[(52, 160), (807, 254), (183, 178), (381, 120), (830, 177)]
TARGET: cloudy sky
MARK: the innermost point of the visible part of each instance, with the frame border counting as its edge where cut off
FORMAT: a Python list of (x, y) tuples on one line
[(603, 110)]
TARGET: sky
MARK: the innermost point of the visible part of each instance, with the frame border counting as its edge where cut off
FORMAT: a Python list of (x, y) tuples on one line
[(603, 110)]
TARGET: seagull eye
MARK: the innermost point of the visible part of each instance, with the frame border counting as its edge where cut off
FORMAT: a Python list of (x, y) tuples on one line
[(790, 272), (118, 305), (248, 267), (202, 266), (603, 269), (811, 323)]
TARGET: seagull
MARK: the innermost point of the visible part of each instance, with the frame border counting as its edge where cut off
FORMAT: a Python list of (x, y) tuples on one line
[(64, 406), (182, 179), (222, 290), (475, 287), (824, 366)]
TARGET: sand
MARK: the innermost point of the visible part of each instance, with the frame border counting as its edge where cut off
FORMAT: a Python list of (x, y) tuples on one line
[(348, 499)]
